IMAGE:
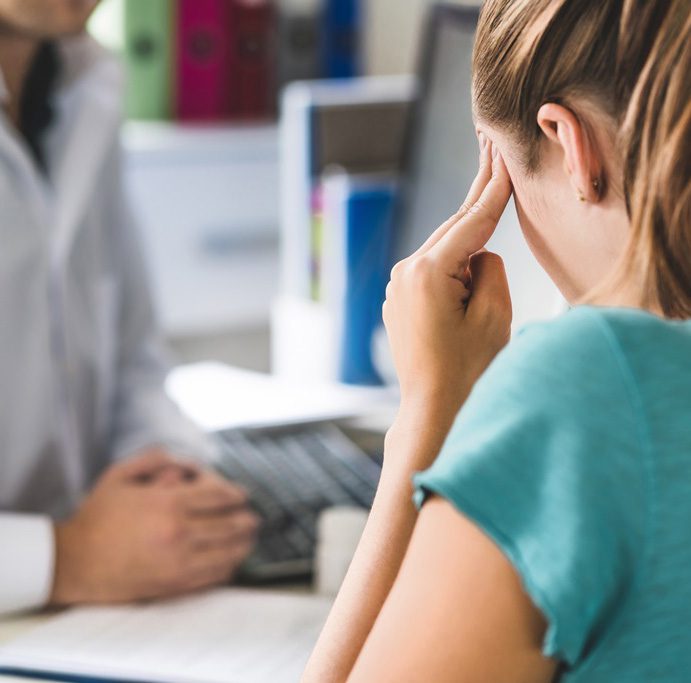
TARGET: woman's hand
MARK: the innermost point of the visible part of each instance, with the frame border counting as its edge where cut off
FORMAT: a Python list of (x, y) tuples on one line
[(448, 311)]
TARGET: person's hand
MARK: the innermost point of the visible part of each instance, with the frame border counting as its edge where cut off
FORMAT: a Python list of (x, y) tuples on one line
[(152, 528), (159, 466), (448, 311)]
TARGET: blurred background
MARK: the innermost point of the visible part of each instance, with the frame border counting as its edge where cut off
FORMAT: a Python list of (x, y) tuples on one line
[(269, 148), (202, 143)]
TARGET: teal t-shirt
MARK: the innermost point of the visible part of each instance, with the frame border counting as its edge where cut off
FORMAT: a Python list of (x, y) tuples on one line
[(573, 453)]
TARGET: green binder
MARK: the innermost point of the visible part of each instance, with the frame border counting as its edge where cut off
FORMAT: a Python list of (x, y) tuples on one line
[(148, 57)]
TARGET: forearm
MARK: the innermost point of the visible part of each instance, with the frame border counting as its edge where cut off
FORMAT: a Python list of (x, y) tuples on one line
[(411, 445), (371, 574), (144, 416)]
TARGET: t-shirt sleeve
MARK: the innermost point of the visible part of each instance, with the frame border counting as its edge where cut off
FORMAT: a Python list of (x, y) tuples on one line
[(548, 458)]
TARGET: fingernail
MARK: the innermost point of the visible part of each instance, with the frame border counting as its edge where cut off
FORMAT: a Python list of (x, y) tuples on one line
[(482, 139), (495, 151)]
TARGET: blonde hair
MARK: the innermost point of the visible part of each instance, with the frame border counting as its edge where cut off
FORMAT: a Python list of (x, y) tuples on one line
[(632, 60)]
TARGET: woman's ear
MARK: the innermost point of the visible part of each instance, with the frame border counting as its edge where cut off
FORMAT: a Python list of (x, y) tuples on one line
[(581, 160)]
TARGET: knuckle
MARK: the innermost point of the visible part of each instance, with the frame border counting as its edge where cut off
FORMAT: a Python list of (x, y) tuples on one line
[(397, 270), (464, 208), (491, 258), (235, 493), (420, 266), (423, 269), (477, 207), (248, 517), (209, 476), (484, 209), (418, 270), (242, 496), (207, 481), (241, 526), (500, 181), (252, 522)]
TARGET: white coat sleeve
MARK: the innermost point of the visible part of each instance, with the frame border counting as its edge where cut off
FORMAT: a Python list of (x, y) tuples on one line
[(143, 415), (27, 557)]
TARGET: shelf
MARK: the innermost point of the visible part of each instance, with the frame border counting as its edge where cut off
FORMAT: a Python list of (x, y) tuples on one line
[(149, 139), (207, 201)]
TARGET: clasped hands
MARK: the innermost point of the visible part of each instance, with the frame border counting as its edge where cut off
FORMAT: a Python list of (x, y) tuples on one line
[(152, 527)]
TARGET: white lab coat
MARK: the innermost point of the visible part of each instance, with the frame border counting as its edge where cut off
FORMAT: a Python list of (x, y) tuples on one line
[(81, 362)]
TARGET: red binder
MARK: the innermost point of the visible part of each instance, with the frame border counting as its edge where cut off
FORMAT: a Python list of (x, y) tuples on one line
[(251, 75), (203, 60)]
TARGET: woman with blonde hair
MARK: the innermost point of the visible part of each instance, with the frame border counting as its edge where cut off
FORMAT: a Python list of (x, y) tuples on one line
[(552, 539)]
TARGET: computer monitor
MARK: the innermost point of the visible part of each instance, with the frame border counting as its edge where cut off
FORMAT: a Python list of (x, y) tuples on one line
[(441, 159)]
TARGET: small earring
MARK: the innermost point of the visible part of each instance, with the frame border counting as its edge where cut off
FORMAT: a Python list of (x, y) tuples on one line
[(580, 196), (596, 186)]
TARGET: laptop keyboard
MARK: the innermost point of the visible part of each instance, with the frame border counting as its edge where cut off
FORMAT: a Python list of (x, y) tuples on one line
[(292, 474)]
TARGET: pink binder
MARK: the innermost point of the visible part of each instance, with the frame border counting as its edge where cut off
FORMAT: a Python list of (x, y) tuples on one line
[(202, 60)]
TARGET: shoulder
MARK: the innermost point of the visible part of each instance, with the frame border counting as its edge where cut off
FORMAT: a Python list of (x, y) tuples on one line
[(557, 402), (571, 361), (561, 386), (547, 459), (91, 84), (581, 334), (81, 58)]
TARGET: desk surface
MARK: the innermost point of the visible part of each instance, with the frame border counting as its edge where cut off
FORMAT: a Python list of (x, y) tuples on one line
[(13, 627), (16, 626)]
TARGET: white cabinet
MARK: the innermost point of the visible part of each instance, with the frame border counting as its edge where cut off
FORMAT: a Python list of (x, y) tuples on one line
[(207, 201)]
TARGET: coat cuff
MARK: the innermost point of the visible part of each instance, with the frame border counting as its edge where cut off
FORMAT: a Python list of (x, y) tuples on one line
[(28, 562)]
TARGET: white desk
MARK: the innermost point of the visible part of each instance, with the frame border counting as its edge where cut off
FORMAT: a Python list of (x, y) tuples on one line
[(13, 627), (218, 396), (16, 626)]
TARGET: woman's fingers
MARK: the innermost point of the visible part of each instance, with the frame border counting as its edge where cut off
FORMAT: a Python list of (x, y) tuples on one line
[(481, 179), (473, 230)]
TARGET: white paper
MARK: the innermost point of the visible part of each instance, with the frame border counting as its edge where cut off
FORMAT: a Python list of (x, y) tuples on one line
[(223, 636), (218, 396)]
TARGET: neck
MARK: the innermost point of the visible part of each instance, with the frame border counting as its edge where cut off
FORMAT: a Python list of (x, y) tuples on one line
[(16, 55), (621, 290)]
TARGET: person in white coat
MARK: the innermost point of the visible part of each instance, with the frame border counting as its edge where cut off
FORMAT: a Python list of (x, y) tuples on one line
[(94, 503)]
